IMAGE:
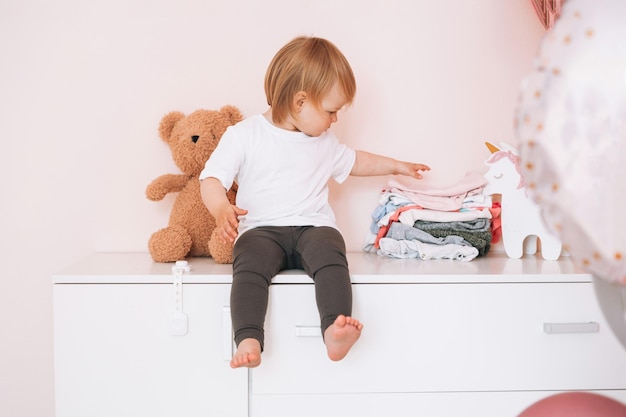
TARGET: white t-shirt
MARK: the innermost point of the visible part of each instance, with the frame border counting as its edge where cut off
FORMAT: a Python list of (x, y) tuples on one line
[(282, 175)]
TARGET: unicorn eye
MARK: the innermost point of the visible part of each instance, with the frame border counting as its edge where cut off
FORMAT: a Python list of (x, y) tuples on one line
[(498, 176)]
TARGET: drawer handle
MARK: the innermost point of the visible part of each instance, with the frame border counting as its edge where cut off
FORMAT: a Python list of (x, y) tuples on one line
[(308, 331), (563, 328)]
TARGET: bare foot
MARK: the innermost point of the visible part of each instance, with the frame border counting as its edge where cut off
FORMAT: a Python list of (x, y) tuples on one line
[(341, 335), (248, 354)]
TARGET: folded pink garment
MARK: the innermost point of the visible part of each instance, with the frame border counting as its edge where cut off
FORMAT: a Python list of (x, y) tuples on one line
[(448, 198)]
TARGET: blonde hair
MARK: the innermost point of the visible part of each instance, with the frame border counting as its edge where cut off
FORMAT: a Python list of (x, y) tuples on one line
[(308, 64)]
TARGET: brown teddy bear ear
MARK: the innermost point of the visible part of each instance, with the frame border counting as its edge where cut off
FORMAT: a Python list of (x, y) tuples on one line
[(232, 113), (167, 124)]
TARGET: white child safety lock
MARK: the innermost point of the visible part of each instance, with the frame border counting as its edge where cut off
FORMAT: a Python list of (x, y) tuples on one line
[(178, 320)]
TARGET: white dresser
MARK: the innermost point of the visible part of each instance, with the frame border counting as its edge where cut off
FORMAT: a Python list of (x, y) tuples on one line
[(440, 338)]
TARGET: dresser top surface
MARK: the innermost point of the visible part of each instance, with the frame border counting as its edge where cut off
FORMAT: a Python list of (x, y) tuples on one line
[(365, 268)]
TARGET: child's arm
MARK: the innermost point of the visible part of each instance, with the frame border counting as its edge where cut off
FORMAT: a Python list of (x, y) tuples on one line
[(226, 215), (369, 164)]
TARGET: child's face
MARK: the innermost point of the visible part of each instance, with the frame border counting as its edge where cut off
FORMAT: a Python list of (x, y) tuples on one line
[(314, 120)]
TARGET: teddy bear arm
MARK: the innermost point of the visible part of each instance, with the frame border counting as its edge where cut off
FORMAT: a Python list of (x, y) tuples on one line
[(168, 183)]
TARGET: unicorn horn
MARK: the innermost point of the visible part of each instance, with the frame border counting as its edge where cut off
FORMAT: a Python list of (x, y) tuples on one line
[(492, 148)]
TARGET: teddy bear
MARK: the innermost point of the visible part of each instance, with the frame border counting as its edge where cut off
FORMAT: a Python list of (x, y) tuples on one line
[(191, 231)]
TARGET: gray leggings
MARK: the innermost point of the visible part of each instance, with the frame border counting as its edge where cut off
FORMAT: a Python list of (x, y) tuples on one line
[(263, 252)]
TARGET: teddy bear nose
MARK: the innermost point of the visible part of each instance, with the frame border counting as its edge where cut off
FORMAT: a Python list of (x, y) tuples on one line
[(195, 138)]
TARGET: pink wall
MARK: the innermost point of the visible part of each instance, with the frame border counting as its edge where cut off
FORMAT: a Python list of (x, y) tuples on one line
[(84, 84)]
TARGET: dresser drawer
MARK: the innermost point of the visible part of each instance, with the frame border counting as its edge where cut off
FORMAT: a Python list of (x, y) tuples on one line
[(115, 355), (432, 404), (445, 338)]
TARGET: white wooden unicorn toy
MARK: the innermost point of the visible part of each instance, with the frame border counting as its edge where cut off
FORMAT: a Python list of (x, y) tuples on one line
[(522, 224)]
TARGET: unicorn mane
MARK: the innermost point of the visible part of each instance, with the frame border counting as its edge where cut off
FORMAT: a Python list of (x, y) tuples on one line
[(514, 158)]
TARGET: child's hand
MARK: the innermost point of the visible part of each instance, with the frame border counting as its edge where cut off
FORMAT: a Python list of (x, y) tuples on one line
[(412, 169), (369, 164), (227, 221)]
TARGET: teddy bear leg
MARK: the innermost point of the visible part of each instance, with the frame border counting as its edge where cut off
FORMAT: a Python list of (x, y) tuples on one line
[(220, 251), (169, 244)]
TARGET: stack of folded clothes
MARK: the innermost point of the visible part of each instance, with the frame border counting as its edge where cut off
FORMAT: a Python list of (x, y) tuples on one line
[(414, 220)]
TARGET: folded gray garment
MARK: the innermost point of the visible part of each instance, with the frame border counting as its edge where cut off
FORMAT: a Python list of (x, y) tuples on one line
[(479, 240), (399, 231), (477, 225)]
